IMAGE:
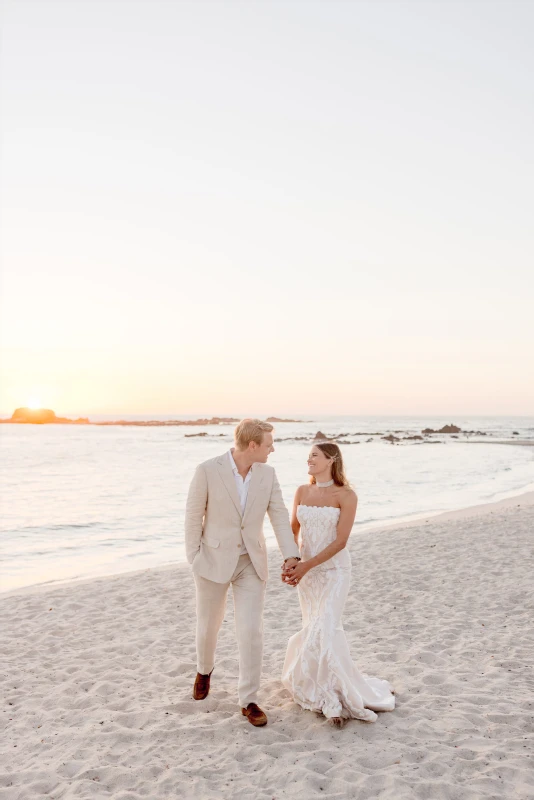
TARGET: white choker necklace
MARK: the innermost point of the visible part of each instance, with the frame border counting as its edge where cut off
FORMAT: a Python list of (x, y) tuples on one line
[(324, 485)]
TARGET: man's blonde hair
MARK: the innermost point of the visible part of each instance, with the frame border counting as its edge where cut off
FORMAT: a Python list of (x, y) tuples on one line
[(250, 430)]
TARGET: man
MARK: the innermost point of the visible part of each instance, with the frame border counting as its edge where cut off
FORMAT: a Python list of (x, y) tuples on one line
[(226, 505)]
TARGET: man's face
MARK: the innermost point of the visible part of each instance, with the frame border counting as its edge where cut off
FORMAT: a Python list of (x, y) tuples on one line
[(261, 452)]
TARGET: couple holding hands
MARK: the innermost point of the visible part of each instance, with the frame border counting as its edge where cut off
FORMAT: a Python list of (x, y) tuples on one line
[(226, 506)]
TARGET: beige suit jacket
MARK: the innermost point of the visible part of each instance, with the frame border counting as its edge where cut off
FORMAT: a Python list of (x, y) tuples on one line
[(214, 524)]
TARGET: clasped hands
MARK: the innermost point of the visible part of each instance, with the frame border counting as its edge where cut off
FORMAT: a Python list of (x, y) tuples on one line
[(293, 571)]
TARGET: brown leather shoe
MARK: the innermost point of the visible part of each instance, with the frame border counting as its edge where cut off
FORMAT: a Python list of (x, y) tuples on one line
[(201, 688), (255, 715)]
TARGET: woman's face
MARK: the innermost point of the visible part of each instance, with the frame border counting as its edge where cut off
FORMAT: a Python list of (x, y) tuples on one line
[(317, 461)]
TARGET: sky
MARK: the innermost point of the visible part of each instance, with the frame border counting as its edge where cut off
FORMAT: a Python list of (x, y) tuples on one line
[(267, 207)]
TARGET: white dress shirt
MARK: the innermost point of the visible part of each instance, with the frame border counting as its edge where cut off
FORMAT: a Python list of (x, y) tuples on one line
[(242, 491)]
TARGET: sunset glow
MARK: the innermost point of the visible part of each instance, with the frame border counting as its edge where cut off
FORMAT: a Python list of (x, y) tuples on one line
[(201, 243)]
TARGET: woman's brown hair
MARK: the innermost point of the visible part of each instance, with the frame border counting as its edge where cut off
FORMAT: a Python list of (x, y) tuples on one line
[(331, 450)]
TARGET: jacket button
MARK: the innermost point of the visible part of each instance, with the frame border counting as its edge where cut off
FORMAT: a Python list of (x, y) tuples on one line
[(239, 546), (242, 527)]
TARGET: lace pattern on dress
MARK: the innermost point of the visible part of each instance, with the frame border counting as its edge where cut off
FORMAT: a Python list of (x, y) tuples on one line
[(318, 669)]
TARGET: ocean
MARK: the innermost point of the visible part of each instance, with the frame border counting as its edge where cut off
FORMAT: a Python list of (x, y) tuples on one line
[(84, 501)]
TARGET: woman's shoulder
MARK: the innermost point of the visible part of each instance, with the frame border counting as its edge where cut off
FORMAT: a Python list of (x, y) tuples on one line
[(347, 494)]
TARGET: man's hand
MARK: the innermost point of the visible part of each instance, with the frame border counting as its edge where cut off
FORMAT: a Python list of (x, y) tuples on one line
[(287, 566), (294, 575), (289, 563)]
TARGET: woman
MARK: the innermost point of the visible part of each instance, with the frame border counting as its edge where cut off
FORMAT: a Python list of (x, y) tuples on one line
[(318, 670)]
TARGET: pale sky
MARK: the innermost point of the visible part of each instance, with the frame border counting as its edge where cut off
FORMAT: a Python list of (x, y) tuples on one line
[(268, 207)]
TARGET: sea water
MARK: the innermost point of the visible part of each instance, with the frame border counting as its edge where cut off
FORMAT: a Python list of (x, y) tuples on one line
[(84, 501)]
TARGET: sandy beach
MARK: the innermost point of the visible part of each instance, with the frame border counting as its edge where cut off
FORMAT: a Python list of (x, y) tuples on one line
[(97, 679)]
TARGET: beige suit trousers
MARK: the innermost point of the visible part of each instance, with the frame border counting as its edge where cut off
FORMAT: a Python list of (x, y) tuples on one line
[(249, 594)]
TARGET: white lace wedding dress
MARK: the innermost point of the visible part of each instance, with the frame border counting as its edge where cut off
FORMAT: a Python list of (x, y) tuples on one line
[(318, 670)]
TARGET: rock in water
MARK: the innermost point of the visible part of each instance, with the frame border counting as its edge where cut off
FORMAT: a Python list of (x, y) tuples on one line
[(39, 416)]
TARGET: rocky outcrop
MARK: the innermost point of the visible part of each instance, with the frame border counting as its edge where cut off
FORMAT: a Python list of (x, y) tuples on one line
[(277, 419), (320, 436), (359, 433), (43, 416), (39, 416), (446, 429), (155, 423)]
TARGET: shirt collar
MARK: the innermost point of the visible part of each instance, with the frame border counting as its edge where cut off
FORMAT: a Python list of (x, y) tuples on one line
[(234, 466)]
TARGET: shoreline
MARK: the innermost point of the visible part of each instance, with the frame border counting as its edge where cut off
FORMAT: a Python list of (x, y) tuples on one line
[(525, 495), (464, 512)]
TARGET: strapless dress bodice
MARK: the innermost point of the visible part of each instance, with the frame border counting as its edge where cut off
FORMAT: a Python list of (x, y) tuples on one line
[(318, 525)]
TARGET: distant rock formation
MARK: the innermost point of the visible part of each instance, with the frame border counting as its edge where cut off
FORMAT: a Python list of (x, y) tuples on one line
[(446, 429), (37, 415), (277, 419), (320, 436), (360, 433), (42, 416), (156, 423), (192, 435), (45, 416), (450, 429)]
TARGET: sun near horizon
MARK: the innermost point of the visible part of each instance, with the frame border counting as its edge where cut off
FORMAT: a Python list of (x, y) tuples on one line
[(35, 404)]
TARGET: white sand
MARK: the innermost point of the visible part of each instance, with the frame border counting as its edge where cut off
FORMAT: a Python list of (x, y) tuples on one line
[(97, 680)]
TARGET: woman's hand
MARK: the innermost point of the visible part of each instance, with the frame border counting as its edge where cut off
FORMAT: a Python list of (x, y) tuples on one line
[(293, 575)]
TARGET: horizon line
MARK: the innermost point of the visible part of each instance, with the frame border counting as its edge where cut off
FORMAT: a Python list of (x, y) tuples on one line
[(322, 414)]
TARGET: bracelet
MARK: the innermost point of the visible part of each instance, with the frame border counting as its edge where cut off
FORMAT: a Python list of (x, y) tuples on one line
[(297, 558)]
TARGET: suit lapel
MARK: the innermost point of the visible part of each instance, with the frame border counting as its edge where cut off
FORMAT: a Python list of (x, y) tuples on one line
[(254, 485), (225, 471)]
